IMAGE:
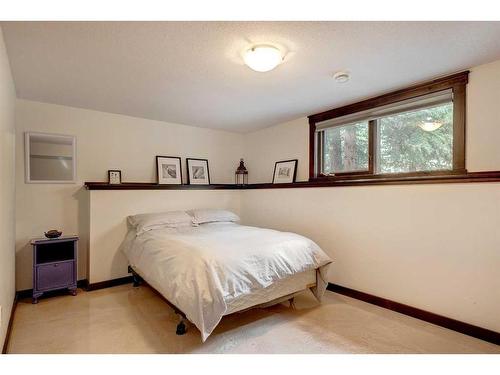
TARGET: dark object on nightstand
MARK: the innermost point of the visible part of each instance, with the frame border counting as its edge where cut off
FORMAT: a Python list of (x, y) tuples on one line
[(54, 265), (53, 233)]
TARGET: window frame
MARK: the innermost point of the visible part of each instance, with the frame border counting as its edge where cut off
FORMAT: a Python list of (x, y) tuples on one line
[(456, 82)]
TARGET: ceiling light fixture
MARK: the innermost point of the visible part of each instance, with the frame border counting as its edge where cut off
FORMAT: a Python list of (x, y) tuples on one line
[(429, 125), (263, 58), (342, 77)]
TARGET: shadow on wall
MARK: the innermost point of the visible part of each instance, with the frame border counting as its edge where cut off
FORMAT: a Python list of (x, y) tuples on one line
[(24, 261), (24, 253), (83, 197)]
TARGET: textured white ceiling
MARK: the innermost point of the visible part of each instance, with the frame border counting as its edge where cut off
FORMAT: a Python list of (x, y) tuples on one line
[(192, 72)]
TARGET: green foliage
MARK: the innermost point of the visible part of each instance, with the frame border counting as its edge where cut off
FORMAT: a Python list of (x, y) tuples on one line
[(403, 146)]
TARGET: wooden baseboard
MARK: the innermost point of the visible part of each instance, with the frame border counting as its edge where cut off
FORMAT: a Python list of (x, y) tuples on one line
[(110, 283), (28, 293), (9, 327), (455, 325)]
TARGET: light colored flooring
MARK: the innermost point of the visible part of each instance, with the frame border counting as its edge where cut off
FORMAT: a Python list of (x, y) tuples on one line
[(124, 319)]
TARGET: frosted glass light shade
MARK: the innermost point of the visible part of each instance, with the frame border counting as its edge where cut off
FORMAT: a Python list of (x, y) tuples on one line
[(430, 126), (263, 58)]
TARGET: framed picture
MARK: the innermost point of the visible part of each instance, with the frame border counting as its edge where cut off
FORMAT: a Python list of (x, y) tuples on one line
[(114, 177), (168, 170), (198, 173), (285, 171)]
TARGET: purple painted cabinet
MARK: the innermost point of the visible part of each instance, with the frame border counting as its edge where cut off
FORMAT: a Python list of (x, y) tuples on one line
[(54, 265)]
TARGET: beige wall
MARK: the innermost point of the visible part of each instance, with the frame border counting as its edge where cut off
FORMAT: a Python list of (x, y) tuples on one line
[(108, 220), (435, 247), (7, 195), (281, 142), (291, 140), (104, 141)]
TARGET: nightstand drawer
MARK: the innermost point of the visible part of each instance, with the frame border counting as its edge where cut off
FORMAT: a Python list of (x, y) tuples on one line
[(50, 276)]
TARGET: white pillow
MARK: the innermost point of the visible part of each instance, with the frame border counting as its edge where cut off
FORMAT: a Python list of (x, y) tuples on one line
[(171, 219), (212, 216)]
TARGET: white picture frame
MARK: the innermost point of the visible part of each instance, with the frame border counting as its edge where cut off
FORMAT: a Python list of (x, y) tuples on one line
[(198, 173), (114, 177), (168, 170), (33, 173)]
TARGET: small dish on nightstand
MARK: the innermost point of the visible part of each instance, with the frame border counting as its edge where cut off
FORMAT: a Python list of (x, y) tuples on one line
[(53, 234)]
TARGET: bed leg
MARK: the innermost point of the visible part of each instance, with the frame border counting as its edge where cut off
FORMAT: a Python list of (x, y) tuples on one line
[(181, 327), (137, 280), (135, 277), (292, 303)]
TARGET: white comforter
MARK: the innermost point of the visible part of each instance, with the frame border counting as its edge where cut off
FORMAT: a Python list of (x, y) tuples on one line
[(199, 268)]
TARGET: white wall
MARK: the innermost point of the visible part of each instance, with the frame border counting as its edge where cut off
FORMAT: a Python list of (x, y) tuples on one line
[(435, 247), (108, 225), (7, 189), (104, 141), (286, 141)]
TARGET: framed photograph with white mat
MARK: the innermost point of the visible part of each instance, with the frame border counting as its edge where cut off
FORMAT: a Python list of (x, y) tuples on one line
[(285, 171), (198, 173), (168, 170), (114, 177)]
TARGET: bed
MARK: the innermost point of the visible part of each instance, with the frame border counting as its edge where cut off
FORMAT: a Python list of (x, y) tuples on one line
[(206, 270)]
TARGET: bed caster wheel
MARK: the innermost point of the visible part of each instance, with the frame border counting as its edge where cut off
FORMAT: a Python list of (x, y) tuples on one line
[(34, 301), (137, 281), (181, 329), (73, 292)]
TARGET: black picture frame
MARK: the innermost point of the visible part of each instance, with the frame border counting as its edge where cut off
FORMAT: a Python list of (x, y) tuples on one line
[(158, 157), (294, 169), (109, 176), (189, 174)]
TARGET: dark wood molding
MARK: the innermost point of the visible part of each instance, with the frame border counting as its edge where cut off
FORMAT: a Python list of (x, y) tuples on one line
[(420, 89), (9, 327), (457, 177), (110, 283), (28, 293), (455, 325), (154, 186), (459, 108), (82, 284), (474, 177), (313, 150)]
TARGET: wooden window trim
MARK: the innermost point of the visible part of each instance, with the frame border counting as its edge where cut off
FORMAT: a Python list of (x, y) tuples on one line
[(456, 82)]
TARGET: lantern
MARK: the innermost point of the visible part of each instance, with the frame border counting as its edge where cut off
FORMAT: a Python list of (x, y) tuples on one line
[(241, 175)]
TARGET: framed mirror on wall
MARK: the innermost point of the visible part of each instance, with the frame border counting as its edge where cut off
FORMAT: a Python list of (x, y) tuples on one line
[(50, 158)]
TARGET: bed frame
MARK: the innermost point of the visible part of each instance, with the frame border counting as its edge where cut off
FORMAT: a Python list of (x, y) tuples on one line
[(181, 326)]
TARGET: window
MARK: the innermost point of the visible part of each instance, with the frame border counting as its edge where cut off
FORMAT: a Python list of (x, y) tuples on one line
[(411, 132), (346, 148), (415, 141)]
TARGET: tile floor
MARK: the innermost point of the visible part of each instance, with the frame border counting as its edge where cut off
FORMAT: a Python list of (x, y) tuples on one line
[(124, 319)]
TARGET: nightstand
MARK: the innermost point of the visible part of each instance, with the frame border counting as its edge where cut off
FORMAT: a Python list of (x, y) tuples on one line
[(54, 265)]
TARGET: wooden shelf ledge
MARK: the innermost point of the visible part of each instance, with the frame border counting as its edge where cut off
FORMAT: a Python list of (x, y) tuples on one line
[(471, 177), (153, 186)]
